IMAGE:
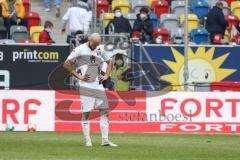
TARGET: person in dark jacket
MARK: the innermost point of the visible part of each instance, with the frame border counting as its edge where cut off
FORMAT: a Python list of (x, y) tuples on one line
[(143, 24), (119, 24), (216, 23), (44, 36)]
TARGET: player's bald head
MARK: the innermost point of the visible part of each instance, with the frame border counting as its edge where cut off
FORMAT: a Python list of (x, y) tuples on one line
[(95, 37), (94, 40)]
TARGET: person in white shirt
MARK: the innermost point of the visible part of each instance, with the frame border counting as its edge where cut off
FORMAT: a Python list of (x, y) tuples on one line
[(88, 58), (79, 17)]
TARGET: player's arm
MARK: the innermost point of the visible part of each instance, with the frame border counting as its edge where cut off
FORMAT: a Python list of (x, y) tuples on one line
[(68, 66), (108, 71)]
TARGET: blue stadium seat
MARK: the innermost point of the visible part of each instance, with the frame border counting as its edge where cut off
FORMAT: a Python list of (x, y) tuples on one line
[(200, 8), (154, 19), (200, 36)]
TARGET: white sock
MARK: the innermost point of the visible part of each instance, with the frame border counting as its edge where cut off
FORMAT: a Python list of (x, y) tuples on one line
[(104, 124), (85, 126)]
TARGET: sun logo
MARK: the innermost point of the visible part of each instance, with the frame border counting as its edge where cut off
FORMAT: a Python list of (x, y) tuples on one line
[(202, 68)]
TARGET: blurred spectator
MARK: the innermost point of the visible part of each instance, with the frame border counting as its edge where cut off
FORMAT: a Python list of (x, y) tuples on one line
[(13, 13), (119, 24), (44, 36), (47, 5), (79, 18), (110, 2), (216, 23), (143, 24), (78, 39), (119, 74)]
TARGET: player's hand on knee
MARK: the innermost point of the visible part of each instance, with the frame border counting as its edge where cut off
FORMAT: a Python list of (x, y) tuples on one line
[(102, 78)]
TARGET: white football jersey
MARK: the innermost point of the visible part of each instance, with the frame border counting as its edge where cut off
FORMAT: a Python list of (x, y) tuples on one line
[(89, 62)]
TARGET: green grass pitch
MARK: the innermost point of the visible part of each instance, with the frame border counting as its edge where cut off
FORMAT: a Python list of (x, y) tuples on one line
[(134, 146)]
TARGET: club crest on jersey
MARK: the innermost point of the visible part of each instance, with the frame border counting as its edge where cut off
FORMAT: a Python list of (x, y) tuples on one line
[(99, 52)]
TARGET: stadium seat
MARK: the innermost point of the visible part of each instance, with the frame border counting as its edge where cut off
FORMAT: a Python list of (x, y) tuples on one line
[(25, 41), (102, 6), (178, 36), (136, 6), (154, 19), (136, 34), (178, 7), (106, 17), (161, 32), (229, 2), (123, 4), (200, 36), (232, 20), (18, 32), (1, 22), (131, 18), (35, 32), (227, 37), (150, 2), (169, 21), (226, 9), (235, 8), (3, 33), (193, 21), (26, 4), (200, 8), (212, 3), (160, 7), (33, 19)]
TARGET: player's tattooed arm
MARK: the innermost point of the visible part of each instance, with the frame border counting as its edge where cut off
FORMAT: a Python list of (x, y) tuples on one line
[(108, 71), (68, 67)]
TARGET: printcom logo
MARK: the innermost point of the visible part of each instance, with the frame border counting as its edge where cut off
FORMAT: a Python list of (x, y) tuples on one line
[(35, 56)]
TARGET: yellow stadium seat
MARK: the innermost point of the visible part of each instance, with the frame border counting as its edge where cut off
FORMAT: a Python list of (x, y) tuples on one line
[(227, 36), (123, 4), (235, 8), (193, 21), (150, 2), (35, 32), (106, 17)]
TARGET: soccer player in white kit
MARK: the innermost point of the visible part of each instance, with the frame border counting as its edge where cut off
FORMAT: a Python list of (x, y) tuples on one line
[(88, 57)]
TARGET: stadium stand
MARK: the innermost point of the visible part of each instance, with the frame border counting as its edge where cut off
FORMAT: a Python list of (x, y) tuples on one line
[(33, 19), (169, 21), (35, 32), (226, 9), (137, 5), (131, 18), (193, 21), (200, 8), (3, 33), (178, 7), (18, 32), (102, 6), (162, 33), (106, 18), (27, 6), (123, 4), (154, 19), (160, 7), (235, 8), (200, 36)]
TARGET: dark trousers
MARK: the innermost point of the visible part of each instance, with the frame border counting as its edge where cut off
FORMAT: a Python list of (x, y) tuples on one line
[(8, 22)]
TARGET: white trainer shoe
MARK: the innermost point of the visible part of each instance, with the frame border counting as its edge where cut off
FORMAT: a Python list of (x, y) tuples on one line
[(47, 9), (88, 144), (109, 143)]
